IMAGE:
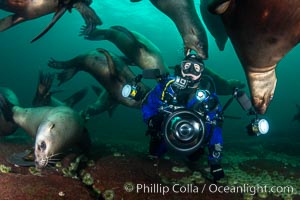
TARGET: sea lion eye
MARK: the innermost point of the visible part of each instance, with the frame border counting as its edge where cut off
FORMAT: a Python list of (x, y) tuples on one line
[(42, 146)]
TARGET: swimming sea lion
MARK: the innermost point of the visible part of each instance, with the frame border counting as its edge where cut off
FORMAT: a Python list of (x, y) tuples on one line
[(8, 127), (214, 24), (26, 10), (44, 97), (103, 103), (187, 21), (135, 46), (262, 32), (108, 69), (55, 129), (147, 55)]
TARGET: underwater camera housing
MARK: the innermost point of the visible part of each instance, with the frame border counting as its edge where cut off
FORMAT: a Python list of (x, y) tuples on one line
[(183, 128)]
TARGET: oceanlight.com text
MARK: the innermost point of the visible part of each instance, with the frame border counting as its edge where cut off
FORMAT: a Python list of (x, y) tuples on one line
[(210, 188)]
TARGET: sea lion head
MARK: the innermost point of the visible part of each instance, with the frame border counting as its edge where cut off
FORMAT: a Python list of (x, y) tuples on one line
[(193, 43), (45, 144)]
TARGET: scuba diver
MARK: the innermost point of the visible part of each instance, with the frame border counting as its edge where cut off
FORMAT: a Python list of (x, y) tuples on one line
[(184, 90)]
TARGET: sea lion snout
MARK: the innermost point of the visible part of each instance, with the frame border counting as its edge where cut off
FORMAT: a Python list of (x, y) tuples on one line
[(192, 43)]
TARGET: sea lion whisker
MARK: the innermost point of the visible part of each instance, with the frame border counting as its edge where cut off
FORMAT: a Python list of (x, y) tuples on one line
[(53, 155), (52, 162)]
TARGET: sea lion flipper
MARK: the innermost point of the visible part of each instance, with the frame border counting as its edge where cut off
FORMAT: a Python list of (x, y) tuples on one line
[(6, 108), (97, 90), (66, 75), (110, 61), (55, 18), (22, 158), (10, 21), (76, 97), (90, 17), (214, 25), (43, 94), (85, 141), (218, 6)]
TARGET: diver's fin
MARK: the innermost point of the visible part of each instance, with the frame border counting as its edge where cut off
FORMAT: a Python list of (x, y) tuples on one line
[(90, 17), (76, 97), (6, 108), (55, 18), (10, 21)]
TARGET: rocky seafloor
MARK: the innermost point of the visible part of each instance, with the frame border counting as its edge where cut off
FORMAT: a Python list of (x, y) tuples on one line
[(125, 171)]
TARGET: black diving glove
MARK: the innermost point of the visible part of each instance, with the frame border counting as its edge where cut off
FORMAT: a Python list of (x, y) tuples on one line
[(217, 172)]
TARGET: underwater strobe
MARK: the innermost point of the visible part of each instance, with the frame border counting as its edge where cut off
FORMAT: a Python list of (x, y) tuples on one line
[(257, 126), (184, 130), (129, 91), (133, 91)]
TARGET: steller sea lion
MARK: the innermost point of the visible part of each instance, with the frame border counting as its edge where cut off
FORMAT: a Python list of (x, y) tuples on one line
[(214, 25), (103, 103), (55, 129), (8, 127), (187, 21), (261, 32), (147, 55), (27, 9), (135, 46), (108, 69), (44, 97)]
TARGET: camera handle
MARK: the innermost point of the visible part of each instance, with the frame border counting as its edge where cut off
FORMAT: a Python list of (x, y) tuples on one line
[(243, 100)]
